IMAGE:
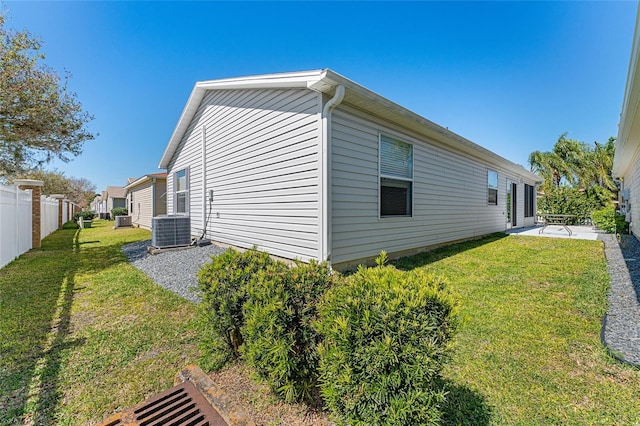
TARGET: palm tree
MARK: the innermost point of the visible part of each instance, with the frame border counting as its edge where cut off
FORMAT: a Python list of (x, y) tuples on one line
[(562, 163), (575, 163), (600, 164)]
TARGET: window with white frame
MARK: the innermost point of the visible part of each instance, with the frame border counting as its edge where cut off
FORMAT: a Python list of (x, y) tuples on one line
[(396, 178), (492, 187), (181, 191)]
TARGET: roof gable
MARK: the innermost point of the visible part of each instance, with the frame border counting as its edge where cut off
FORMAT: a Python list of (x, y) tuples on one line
[(145, 178), (116, 192), (327, 81)]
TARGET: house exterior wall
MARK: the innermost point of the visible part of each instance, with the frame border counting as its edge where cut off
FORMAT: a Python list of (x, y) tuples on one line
[(261, 156), (113, 203), (148, 199), (119, 202), (140, 204), (160, 198), (449, 192), (631, 181)]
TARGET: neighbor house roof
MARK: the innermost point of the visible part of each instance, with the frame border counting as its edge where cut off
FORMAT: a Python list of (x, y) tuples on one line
[(628, 140), (144, 179), (326, 81), (116, 192)]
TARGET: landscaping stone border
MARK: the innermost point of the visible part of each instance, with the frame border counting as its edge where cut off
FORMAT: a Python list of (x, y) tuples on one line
[(621, 325)]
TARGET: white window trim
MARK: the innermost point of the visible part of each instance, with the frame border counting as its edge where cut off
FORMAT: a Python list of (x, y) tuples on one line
[(381, 176), (186, 191), (497, 187)]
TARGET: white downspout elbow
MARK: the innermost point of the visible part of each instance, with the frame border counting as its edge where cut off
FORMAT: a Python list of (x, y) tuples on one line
[(326, 171)]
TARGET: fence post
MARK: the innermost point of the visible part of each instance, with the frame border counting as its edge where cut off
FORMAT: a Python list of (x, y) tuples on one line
[(36, 191), (60, 198)]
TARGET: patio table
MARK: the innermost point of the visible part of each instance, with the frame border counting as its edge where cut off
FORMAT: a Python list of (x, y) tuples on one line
[(556, 219)]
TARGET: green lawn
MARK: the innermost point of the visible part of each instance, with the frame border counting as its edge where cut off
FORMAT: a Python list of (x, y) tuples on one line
[(84, 334), (529, 352)]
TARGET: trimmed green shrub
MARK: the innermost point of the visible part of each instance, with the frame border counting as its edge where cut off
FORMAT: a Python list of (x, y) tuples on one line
[(85, 214), (610, 221), (280, 341), (386, 335), (222, 286), (118, 211)]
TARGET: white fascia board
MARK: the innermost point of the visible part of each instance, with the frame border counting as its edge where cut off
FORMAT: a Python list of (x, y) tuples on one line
[(188, 112), (325, 81), (625, 148), (269, 81), (427, 127), (137, 182)]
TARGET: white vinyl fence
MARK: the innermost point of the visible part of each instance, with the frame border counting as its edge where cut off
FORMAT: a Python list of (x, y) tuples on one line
[(16, 217), (15, 223), (48, 215), (66, 207)]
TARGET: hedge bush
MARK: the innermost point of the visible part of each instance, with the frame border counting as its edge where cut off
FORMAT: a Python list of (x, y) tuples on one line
[(118, 211), (280, 341), (573, 201), (222, 286), (85, 214), (386, 335), (610, 221)]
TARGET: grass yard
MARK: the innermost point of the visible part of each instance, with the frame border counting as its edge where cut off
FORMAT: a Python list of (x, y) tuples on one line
[(529, 352), (83, 333)]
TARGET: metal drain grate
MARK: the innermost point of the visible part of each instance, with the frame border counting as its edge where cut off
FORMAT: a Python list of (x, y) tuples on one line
[(182, 405)]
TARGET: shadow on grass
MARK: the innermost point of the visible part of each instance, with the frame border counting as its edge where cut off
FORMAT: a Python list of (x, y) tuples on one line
[(36, 297), (422, 259), (464, 407)]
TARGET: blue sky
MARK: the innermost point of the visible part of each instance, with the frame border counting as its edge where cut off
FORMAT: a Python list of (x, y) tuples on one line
[(510, 76)]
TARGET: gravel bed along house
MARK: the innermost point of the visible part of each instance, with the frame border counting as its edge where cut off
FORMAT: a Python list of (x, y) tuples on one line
[(175, 270), (621, 325)]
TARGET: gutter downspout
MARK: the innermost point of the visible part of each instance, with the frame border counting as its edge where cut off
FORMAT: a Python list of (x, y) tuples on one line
[(326, 171)]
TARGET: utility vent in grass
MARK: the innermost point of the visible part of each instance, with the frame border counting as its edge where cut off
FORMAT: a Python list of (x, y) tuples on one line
[(180, 405)]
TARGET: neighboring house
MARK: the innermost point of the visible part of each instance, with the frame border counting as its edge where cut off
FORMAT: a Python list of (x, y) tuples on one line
[(116, 197), (311, 165), (626, 162), (146, 198), (99, 205)]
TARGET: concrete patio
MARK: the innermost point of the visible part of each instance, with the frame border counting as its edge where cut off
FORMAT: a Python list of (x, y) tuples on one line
[(557, 231)]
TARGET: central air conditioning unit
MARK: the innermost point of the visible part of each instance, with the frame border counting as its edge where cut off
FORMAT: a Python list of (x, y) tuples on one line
[(122, 221), (170, 231)]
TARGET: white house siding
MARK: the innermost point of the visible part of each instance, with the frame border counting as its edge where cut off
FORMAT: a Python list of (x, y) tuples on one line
[(141, 197), (632, 183), (160, 197), (449, 195), (262, 163)]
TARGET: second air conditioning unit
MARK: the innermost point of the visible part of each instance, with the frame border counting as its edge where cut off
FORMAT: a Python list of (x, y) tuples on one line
[(123, 221)]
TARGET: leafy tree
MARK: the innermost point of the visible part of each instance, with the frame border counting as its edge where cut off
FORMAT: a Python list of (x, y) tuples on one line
[(577, 176), (79, 190), (563, 164), (40, 118), (599, 166)]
